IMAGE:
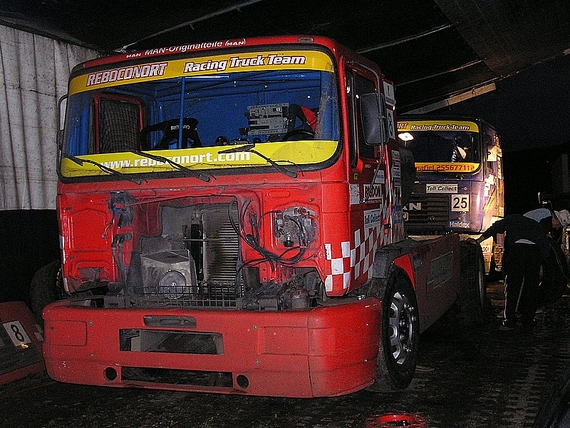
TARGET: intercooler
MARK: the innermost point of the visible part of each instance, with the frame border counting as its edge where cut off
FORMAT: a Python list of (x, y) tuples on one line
[(194, 262)]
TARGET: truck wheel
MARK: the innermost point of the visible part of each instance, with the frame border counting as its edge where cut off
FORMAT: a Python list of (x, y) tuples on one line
[(472, 285), (399, 335), (45, 288)]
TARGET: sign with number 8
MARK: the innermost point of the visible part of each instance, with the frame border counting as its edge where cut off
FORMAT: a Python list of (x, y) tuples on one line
[(17, 333)]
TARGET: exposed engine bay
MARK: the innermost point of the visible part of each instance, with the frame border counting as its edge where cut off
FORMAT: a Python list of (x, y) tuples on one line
[(196, 259)]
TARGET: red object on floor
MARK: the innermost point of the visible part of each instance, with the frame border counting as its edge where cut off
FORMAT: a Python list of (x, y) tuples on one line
[(21, 341), (396, 420)]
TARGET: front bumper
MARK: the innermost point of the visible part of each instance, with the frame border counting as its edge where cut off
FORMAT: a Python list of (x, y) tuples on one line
[(325, 351)]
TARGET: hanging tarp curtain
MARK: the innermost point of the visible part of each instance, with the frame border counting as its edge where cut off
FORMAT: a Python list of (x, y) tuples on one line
[(33, 76)]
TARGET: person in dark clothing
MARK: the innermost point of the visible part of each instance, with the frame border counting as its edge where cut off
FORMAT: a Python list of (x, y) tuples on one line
[(550, 220), (555, 276), (526, 245)]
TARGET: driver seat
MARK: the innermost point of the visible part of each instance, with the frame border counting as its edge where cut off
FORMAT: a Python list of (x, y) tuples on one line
[(306, 116), (170, 132)]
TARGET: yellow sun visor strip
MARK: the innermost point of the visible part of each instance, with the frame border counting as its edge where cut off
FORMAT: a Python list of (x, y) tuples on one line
[(287, 154), (437, 125), (201, 66), (456, 167)]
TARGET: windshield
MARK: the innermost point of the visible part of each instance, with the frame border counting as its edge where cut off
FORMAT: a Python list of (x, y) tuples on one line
[(436, 145), (443, 146), (188, 115)]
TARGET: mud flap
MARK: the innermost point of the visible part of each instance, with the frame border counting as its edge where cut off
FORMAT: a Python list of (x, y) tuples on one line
[(21, 339), (473, 287)]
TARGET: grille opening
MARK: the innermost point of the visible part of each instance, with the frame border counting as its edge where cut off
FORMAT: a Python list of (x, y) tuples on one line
[(177, 377), (175, 342), (434, 213)]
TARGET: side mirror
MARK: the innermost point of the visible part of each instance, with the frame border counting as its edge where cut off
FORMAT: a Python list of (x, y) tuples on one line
[(373, 117), (408, 173), (61, 106), (492, 154)]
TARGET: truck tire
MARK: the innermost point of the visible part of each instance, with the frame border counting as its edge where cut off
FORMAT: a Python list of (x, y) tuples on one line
[(46, 287), (399, 335), (472, 284)]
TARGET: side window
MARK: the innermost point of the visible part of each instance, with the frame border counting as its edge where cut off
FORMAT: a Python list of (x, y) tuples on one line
[(357, 85)]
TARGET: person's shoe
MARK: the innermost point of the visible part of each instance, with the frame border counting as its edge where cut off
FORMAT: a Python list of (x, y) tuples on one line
[(507, 326)]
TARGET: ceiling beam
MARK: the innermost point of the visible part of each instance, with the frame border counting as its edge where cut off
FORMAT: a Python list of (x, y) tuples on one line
[(235, 7), (403, 39), (452, 70), (474, 92)]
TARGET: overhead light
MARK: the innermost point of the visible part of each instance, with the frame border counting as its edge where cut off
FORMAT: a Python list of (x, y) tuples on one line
[(405, 136)]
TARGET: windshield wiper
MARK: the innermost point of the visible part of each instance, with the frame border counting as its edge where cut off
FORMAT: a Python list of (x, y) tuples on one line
[(251, 148), (176, 165), (103, 168)]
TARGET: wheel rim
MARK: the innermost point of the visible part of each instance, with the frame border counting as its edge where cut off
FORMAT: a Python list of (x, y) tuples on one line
[(401, 327)]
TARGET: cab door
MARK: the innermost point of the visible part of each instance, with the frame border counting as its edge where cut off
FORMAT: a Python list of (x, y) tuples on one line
[(368, 177)]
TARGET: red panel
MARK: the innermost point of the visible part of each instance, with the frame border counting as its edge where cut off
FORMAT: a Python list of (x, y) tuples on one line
[(305, 353), (433, 267), (20, 342)]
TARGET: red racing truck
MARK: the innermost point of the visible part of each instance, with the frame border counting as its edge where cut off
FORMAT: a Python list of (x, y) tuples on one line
[(231, 222)]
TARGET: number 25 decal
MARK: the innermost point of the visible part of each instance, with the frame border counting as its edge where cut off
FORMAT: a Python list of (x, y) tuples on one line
[(459, 202)]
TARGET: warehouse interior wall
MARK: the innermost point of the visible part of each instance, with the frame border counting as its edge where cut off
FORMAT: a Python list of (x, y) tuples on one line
[(34, 72)]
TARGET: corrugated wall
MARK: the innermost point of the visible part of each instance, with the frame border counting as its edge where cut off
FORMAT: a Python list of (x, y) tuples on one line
[(34, 72), (33, 76)]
